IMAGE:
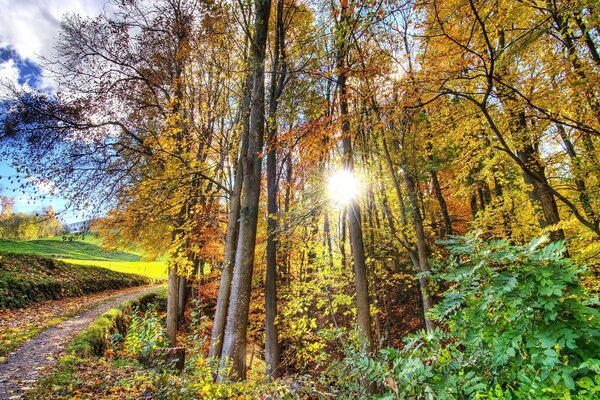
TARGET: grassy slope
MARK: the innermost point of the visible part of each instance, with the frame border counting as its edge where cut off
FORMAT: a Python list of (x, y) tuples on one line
[(26, 279), (154, 270), (87, 252), (77, 249)]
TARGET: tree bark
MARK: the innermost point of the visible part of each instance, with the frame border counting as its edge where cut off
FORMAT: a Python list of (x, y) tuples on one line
[(181, 293), (231, 235), (234, 343), (421, 246), (277, 83), (442, 202), (172, 303), (354, 222)]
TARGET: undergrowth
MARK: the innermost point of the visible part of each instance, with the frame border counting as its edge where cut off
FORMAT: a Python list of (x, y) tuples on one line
[(515, 324)]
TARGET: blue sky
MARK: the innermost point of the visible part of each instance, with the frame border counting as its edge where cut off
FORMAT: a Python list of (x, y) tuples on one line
[(28, 31)]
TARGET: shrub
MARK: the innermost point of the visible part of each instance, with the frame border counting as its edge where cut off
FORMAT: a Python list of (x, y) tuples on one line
[(515, 323), (100, 334), (146, 332)]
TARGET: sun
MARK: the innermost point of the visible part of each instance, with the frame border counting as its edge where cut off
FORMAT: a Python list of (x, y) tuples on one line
[(344, 186)]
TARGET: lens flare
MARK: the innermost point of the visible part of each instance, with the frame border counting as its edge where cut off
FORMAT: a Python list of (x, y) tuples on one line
[(344, 186)]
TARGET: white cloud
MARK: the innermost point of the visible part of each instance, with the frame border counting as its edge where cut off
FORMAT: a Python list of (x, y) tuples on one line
[(9, 74), (31, 26)]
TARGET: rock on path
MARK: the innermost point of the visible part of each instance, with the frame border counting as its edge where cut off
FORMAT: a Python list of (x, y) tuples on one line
[(24, 365)]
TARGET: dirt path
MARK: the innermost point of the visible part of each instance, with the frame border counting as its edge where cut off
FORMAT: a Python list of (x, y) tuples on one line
[(24, 365)]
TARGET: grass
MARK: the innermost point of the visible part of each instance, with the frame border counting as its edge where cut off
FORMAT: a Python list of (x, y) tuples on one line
[(27, 278), (76, 249), (155, 270), (87, 250)]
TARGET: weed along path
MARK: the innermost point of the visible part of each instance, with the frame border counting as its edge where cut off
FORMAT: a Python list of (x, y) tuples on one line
[(24, 365)]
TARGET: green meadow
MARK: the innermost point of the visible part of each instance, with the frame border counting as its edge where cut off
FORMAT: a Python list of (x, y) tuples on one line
[(87, 250)]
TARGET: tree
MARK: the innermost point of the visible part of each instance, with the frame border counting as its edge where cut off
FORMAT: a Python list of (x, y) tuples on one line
[(278, 76), (234, 340), (129, 129), (343, 33)]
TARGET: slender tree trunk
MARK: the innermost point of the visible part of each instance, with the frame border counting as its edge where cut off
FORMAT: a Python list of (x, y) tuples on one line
[(354, 224), (342, 238), (442, 202), (286, 204), (437, 188), (181, 289), (327, 237), (403, 239), (277, 82), (172, 303), (421, 245), (231, 235), (234, 343)]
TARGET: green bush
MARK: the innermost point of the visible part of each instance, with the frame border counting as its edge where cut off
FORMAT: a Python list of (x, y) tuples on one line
[(145, 333), (515, 324)]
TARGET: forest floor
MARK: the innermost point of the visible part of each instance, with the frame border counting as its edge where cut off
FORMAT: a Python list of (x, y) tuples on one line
[(63, 319)]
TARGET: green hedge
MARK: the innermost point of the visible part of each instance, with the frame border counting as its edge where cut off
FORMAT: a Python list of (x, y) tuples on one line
[(95, 339), (26, 279)]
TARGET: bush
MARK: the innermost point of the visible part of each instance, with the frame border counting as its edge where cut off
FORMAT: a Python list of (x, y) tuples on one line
[(146, 332), (515, 323)]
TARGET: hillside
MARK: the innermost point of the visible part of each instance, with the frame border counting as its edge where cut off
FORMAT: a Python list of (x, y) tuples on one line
[(87, 251), (26, 279), (88, 248)]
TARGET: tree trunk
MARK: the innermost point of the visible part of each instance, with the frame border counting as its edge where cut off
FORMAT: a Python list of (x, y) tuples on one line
[(421, 246), (181, 293), (539, 194), (354, 227), (231, 235), (442, 202), (234, 343), (172, 303), (277, 82)]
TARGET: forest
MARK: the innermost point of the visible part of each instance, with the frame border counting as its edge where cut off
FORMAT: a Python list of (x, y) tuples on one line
[(391, 198)]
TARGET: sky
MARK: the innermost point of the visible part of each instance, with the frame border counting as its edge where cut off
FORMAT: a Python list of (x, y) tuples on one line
[(28, 31)]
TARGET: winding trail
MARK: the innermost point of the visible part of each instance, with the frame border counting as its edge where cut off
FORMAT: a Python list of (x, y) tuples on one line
[(25, 364)]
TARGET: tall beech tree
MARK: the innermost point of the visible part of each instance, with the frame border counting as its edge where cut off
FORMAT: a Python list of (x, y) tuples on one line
[(234, 341), (344, 26), (278, 77)]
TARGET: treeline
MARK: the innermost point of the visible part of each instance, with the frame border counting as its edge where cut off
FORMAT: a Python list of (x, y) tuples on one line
[(23, 226), (455, 115)]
